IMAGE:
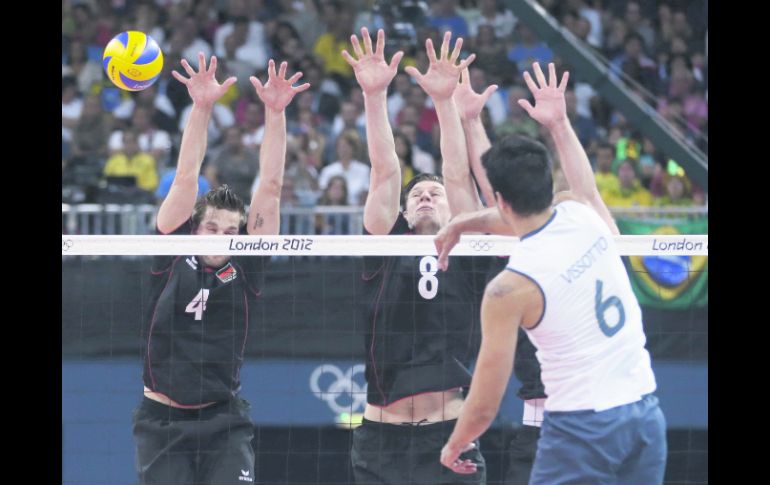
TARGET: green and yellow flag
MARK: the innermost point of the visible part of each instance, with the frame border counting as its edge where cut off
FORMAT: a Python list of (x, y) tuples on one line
[(668, 282)]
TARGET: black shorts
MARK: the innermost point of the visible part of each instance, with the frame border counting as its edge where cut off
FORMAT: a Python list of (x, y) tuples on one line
[(521, 455), (210, 446), (405, 454)]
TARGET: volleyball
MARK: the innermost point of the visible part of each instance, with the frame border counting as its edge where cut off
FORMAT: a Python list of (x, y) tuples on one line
[(132, 60)]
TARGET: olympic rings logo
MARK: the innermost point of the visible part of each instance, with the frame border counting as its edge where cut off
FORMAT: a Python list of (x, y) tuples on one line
[(66, 244), (478, 245), (343, 384)]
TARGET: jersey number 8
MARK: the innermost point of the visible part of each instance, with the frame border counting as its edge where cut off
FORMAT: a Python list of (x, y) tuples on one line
[(428, 284)]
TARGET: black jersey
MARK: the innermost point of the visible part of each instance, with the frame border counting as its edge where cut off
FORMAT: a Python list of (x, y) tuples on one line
[(197, 324), (421, 324), (527, 369)]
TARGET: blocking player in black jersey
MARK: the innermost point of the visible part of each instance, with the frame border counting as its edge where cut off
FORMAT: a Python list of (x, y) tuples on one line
[(421, 326), (191, 426)]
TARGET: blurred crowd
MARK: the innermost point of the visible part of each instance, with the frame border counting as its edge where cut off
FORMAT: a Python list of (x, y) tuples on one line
[(121, 147)]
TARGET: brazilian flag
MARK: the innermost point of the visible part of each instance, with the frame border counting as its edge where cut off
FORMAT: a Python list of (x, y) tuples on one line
[(668, 282)]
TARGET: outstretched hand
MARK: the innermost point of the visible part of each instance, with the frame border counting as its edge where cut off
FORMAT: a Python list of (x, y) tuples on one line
[(372, 72), (278, 91), (443, 73), (469, 103), (550, 107), (203, 87)]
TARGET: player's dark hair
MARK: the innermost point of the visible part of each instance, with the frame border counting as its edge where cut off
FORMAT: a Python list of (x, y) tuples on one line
[(519, 168), (222, 197)]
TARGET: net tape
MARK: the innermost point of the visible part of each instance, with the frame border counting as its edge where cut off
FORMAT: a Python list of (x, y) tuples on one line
[(359, 245)]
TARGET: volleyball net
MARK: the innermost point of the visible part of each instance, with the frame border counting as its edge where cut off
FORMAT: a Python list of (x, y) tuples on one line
[(303, 369)]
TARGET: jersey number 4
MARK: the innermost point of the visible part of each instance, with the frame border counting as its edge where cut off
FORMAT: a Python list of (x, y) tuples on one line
[(198, 304), (601, 309)]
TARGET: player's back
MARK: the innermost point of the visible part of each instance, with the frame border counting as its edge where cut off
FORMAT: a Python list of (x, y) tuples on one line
[(590, 339)]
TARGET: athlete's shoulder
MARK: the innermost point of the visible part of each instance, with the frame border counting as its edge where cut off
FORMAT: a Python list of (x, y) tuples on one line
[(514, 290)]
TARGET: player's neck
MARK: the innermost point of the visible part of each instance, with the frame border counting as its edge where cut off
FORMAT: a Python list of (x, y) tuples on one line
[(526, 225)]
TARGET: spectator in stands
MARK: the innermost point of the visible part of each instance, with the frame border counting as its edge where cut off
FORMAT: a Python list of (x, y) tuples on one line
[(335, 194), (89, 137), (421, 160), (528, 49), (78, 65), (405, 157), (678, 191), (635, 62), (339, 22), (492, 56), (631, 192), (496, 15), (187, 42), (303, 15), (606, 180), (159, 105), (593, 16), (349, 118), (253, 125), (221, 118), (71, 108), (151, 139), (518, 120), (132, 162), (168, 178), (302, 171), (247, 42), (234, 165), (402, 84), (639, 23), (584, 127), (356, 173), (444, 17)]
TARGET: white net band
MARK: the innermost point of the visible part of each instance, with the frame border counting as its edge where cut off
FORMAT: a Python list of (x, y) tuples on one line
[(469, 245)]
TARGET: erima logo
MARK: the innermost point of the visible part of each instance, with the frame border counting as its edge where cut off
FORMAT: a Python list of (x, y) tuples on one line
[(245, 476), (192, 262)]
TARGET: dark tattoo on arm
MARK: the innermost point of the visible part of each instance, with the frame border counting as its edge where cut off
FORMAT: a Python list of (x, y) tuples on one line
[(499, 290), (258, 221)]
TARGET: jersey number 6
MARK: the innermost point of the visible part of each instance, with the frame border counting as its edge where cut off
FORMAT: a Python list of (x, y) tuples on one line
[(601, 308)]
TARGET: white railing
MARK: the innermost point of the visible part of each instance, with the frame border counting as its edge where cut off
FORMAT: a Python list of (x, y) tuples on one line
[(140, 219), (322, 220)]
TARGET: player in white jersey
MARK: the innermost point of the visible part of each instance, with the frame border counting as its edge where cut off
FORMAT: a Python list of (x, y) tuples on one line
[(566, 285)]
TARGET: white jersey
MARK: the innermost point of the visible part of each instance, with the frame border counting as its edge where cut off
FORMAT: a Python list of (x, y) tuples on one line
[(590, 341)]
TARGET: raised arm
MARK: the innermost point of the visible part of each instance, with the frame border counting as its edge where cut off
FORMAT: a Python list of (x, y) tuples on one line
[(470, 104), (550, 110), (374, 75), (276, 94), (439, 83), (204, 91)]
